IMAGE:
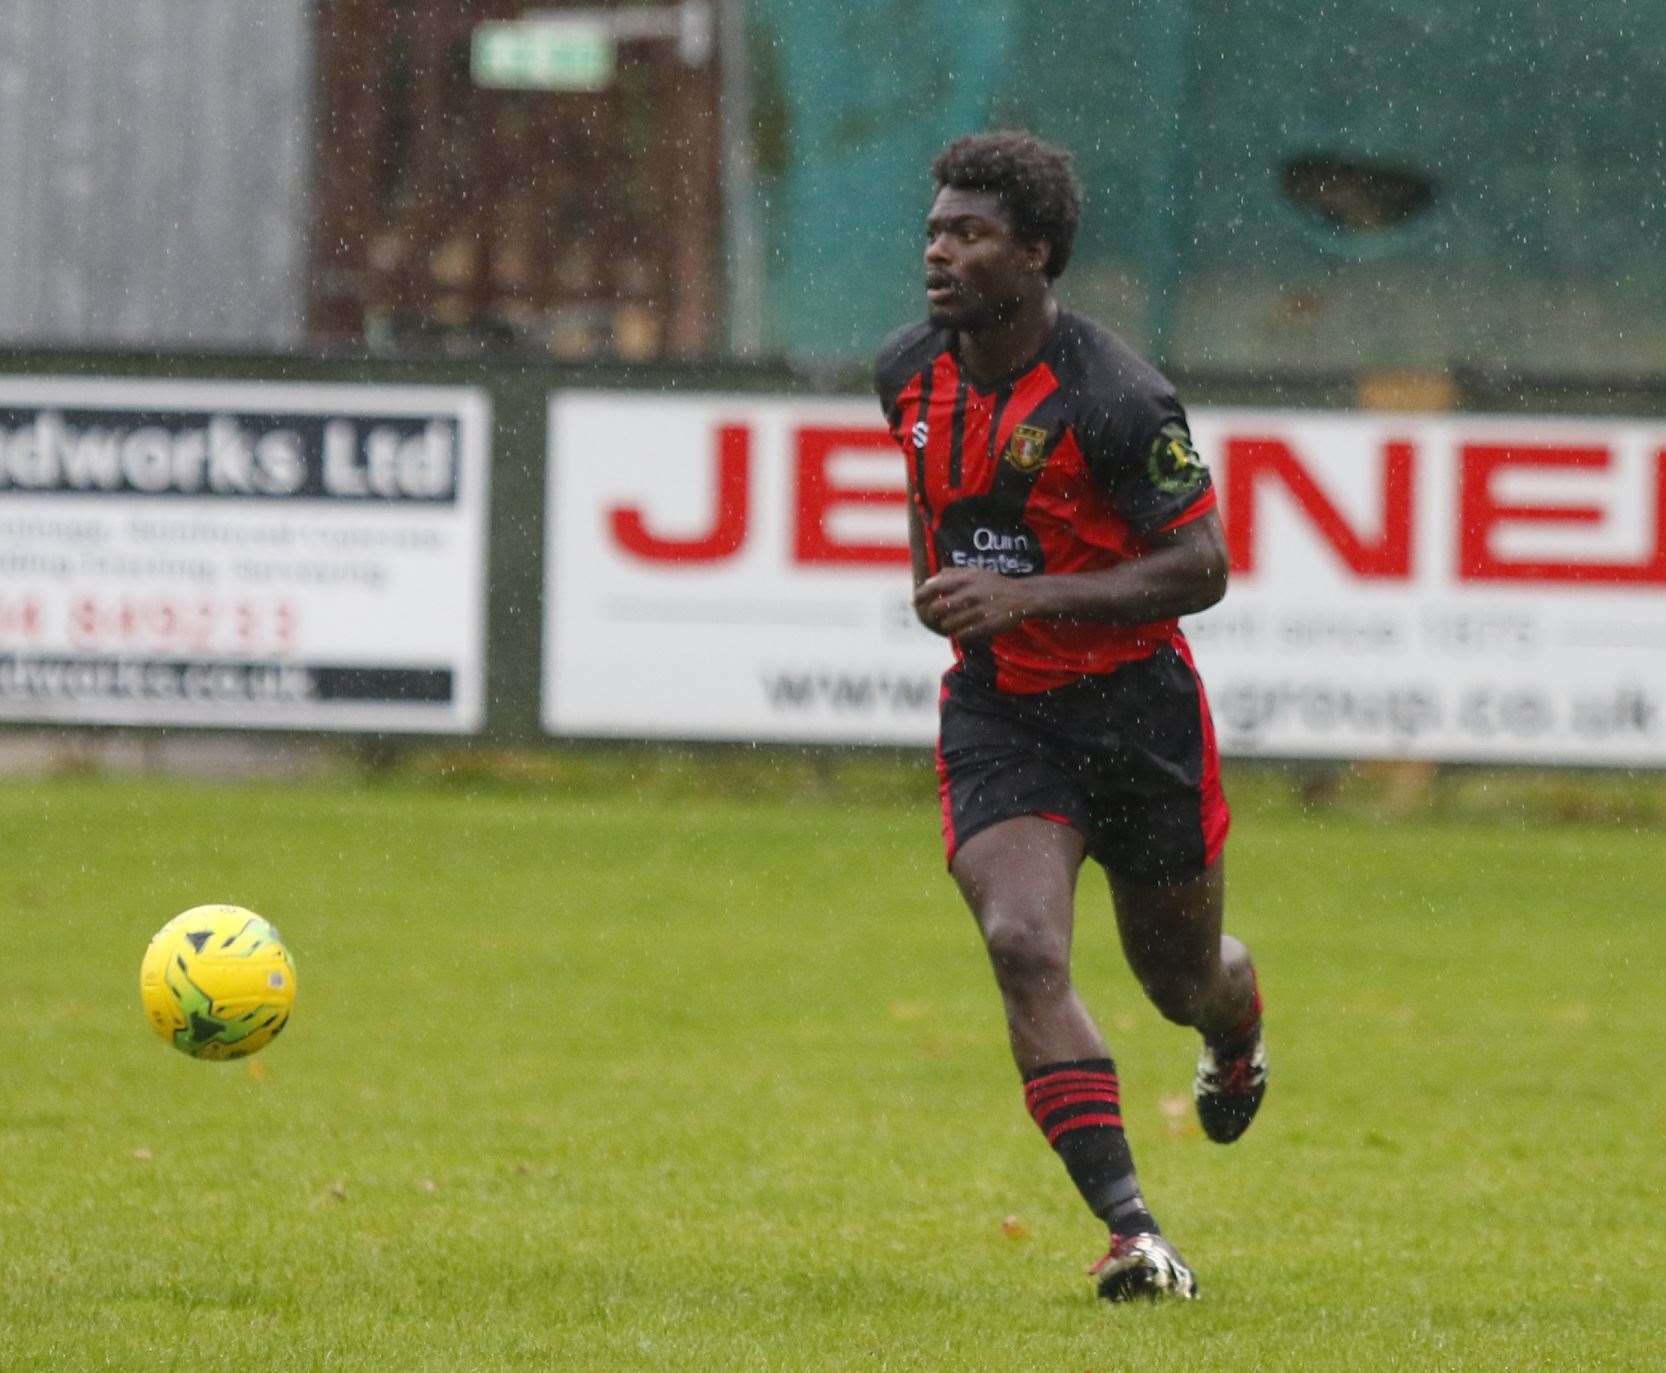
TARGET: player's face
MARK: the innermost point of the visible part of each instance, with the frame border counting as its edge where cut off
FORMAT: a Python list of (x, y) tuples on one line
[(977, 273)]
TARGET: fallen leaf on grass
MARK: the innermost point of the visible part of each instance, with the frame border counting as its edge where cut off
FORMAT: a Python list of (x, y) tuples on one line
[(1177, 1116)]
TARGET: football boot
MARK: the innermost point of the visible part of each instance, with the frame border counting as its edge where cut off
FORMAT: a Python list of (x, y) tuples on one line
[(1229, 1086), (1144, 1265)]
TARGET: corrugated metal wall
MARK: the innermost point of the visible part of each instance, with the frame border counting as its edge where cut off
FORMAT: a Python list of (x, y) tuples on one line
[(153, 165)]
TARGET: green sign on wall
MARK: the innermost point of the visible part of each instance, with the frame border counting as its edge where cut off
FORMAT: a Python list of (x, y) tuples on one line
[(543, 55)]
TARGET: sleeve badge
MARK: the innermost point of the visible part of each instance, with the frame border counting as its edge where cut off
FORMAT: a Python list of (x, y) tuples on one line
[(1173, 463)]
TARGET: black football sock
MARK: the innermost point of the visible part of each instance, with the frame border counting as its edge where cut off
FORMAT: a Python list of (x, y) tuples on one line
[(1078, 1106), (1240, 1037)]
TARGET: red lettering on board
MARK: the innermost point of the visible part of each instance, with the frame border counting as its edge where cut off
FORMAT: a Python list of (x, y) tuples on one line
[(1481, 513), (727, 533), (1252, 463), (819, 495)]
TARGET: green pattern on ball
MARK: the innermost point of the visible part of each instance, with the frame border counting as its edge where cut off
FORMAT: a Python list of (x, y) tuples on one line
[(203, 1031), (201, 1027)]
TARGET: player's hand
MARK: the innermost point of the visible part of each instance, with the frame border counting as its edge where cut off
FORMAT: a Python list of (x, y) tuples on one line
[(972, 603)]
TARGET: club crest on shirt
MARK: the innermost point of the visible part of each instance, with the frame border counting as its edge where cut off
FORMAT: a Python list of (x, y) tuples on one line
[(1173, 464), (919, 434), (1027, 448)]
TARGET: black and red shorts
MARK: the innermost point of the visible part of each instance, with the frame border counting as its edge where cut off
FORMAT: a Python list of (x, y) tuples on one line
[(1127, 758)]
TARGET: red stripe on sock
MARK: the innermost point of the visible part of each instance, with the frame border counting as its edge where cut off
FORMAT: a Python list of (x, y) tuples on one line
[(1080, 1122), (1109, 1089), (1044, 1106), (1069, 1078), (1093, 1089)]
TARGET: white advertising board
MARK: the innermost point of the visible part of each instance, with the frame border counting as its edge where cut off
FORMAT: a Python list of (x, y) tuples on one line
[(1411, 586), (1460, 588), (242, 555), (730, 568)]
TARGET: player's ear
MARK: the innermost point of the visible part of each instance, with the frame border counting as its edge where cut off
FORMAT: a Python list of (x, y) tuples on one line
[(1037, 255)]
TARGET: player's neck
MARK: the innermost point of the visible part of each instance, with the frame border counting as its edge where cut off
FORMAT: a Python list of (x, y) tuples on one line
[(1004, 346)]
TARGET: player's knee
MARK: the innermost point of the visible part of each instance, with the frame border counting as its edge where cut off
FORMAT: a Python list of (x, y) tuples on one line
[(1029, 958)]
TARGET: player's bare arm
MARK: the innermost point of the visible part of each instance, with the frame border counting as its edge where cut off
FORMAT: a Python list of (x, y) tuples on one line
[(1180, 572), (917, 550)]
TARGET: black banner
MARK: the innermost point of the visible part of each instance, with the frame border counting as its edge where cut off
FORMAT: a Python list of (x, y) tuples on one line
[(214, 682)]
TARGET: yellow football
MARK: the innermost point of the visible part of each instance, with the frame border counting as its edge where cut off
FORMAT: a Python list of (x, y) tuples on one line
[(217, 982)]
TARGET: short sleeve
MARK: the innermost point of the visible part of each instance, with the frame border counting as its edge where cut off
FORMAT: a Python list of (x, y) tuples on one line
[(898, 361), (1141, 454)]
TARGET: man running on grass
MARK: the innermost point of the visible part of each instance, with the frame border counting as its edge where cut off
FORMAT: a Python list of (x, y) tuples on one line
[(1060, 520)]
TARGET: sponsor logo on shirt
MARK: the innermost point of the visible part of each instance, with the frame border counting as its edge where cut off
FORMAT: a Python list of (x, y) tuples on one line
[(1011, 553)]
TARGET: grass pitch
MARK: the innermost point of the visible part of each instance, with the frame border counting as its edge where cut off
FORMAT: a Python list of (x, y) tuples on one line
[(614, 1079)]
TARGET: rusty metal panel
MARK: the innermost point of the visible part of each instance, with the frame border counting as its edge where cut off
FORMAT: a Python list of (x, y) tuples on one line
[(153, 164)]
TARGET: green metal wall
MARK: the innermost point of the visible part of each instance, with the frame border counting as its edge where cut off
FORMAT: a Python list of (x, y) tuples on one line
[(1540, 125)]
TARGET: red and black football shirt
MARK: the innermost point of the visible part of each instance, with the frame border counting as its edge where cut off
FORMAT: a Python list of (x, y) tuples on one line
[(1063, 466)]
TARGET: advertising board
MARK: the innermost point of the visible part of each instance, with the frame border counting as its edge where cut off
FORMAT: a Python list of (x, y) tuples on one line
[(1404, 586), (242, 555)]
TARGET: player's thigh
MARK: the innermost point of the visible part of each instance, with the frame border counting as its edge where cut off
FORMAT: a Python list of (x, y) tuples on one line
[(1171, 929), (1018, 877)]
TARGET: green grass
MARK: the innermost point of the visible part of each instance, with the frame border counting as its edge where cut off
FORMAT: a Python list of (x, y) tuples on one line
[(651, 1078)]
